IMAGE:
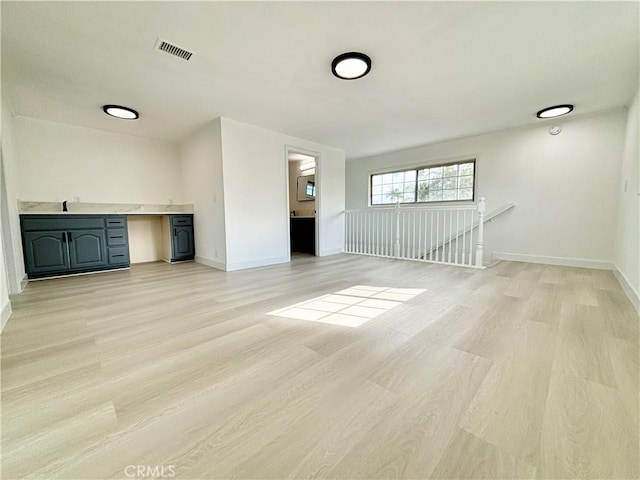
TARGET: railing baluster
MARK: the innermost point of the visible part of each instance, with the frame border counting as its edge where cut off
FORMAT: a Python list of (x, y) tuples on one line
[(424, 247), (480, 248), (431, 237), (457, 234), (444, 234), (450, 234), (464, 237), (437, 231), (470, 262), (419, 257)]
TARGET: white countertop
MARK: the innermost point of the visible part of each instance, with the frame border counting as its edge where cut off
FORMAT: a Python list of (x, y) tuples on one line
[(49, 212), (83, 208)]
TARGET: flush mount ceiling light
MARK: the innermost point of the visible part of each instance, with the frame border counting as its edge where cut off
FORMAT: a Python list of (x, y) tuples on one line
[(351, 65), (554, 111), (119, 111)]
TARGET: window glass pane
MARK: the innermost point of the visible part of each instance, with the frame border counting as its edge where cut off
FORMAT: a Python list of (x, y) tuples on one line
[(423, 191), (435, 184), (450, 171), (466, 168), (435, 172), (410, 176), (465, 194), (449, 182), (395, 195), (449, 194), (466, 182), (435, 195)]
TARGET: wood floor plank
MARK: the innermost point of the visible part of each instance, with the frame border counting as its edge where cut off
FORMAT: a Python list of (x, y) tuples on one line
[(469, 457), (582, 349), (587, 433), (508, 409)]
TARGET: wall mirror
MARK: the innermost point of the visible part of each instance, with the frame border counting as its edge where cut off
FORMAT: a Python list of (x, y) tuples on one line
[(306, 188)]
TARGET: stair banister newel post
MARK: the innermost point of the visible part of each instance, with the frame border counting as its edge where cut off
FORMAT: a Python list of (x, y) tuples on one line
[(480, 245), (397, 244)]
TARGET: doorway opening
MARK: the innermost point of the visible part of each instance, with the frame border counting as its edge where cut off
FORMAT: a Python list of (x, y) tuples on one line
[(303, 202)]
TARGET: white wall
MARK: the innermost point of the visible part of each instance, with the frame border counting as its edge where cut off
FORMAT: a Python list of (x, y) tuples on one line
[(627, 251), (256, 194), (10, 219), (565, 187), (59, 162), (201, 157)]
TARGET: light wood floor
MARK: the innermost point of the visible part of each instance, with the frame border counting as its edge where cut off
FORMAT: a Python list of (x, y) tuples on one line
[(517, 371)]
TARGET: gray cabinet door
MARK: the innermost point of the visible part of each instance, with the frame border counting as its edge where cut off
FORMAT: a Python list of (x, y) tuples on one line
[(45, 252), (182, 245), (87, 248)]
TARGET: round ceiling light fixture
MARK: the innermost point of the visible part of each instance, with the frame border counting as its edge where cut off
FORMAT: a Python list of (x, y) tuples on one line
[(555, 111), (119, 111), (351, 65)]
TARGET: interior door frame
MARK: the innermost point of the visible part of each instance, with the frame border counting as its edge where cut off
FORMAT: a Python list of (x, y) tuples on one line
[(317, 203)]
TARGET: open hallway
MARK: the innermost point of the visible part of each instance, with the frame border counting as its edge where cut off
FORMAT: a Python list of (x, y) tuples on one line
[(516, 371)]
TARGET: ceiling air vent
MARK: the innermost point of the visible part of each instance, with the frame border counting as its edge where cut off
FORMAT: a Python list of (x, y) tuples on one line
[(172, 49)]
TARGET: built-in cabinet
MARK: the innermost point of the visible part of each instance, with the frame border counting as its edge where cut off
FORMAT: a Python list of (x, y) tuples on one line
[(179, 240), (66, 244), (303, 234), (62, 244)]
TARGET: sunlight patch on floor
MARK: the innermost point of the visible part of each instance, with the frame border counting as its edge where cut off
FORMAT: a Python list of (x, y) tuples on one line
[(350, 307)]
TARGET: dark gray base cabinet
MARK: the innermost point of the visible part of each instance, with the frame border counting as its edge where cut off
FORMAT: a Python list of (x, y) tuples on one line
[(302, 231), (64, 244), (182, 241)]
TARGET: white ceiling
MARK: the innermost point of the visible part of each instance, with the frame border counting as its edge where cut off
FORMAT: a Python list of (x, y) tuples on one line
[(441, 70)]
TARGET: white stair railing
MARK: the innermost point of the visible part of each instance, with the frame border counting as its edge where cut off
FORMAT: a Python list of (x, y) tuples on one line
[(429, 234)]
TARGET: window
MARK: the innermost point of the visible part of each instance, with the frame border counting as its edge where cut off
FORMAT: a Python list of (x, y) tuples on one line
[(451, 182)]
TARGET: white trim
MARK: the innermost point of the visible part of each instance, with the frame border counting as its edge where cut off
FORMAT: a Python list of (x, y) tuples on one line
[(263, 262), (23, 283), (4, 317), (564, 261), (628, 289), (331, 251), (211, 263)]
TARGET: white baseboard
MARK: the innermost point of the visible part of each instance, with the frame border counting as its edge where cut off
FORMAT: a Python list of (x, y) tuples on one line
[(23, 283), (263, 262), (211, 263), (331, 251), (4, 316), (564, 261), (633, 296)]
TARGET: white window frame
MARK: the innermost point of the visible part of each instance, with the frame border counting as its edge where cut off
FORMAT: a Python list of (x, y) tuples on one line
[(418, 167)]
